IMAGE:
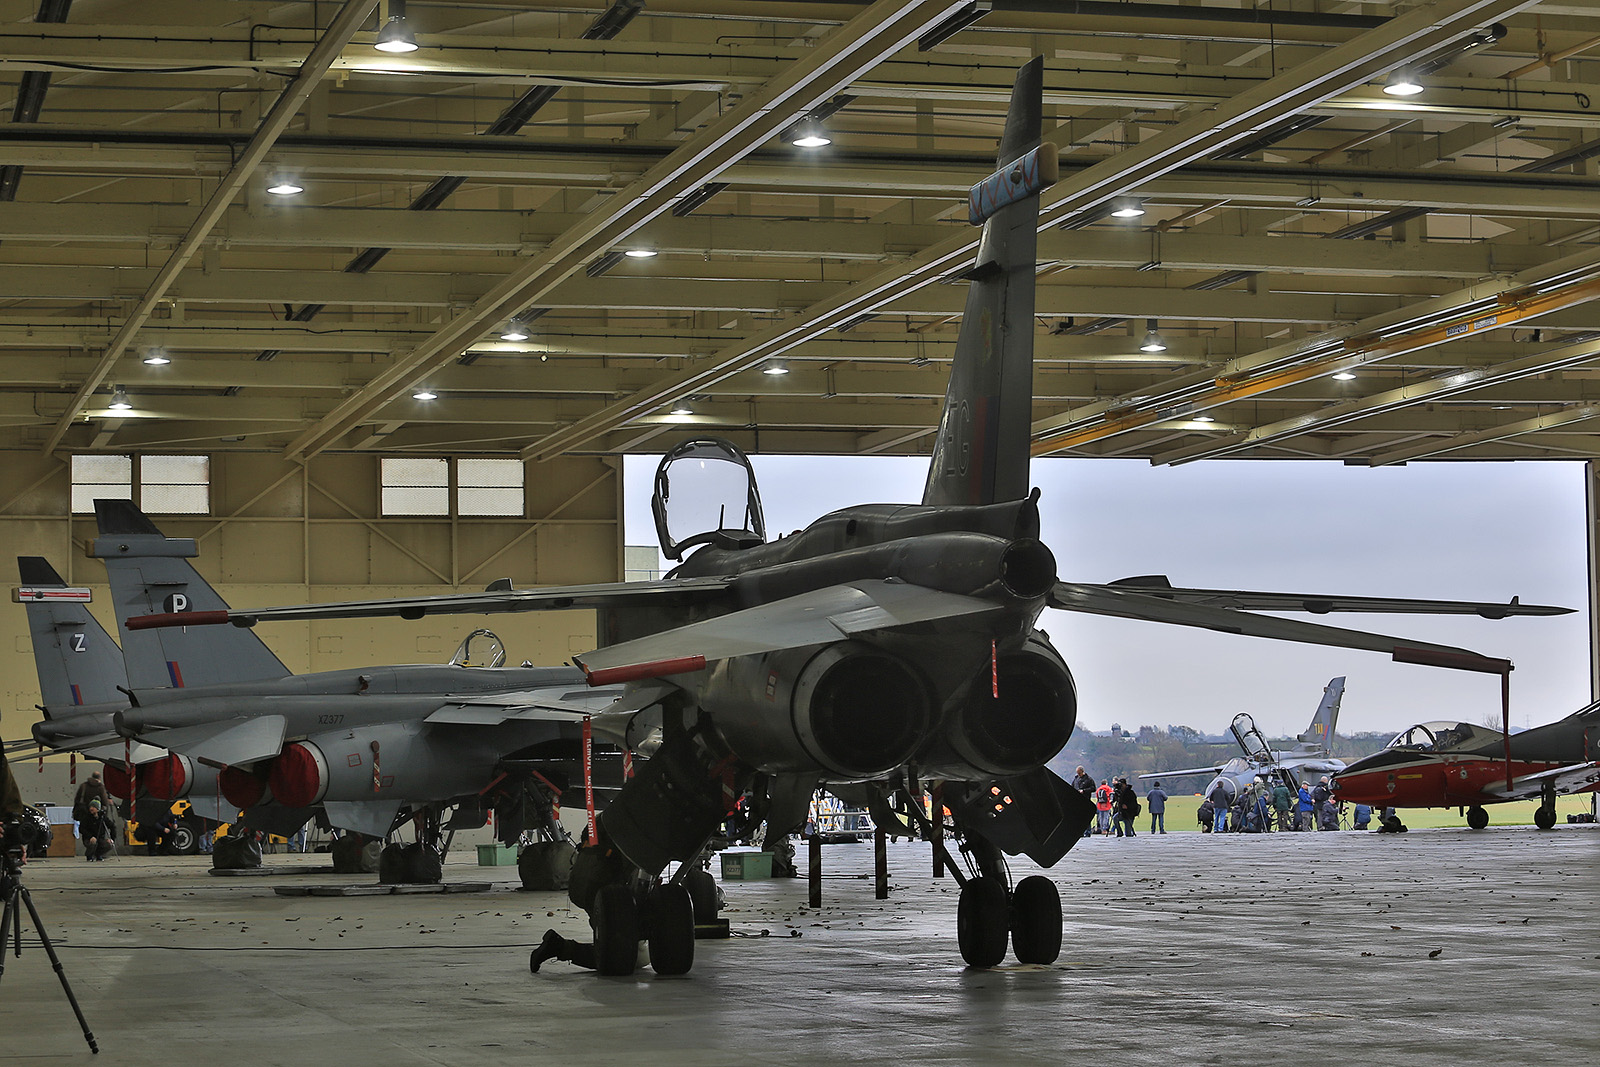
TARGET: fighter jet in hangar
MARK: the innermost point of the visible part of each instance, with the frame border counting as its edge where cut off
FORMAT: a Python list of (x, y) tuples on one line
[(1311, 753), (215, 711), (1459, 765), (884, 645)]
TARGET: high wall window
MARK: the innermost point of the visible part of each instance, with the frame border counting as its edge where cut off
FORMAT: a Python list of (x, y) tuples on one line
[(161, 485), (489, 486), (415, 486), (175, 485), (100, 478), (480, 487)]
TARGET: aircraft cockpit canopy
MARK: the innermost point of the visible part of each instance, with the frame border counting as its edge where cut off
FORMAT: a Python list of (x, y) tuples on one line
[(1443, 736), (481, 648), (705, 494)]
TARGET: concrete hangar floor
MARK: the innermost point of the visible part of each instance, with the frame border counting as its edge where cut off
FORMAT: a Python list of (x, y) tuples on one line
[(1434, 947)]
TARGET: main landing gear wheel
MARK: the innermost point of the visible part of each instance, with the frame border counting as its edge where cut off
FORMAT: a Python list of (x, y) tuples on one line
[(1036, 920), (1544, 817), (1477, 818), (185, 838), (982, 922), (702, 894), (671, 929), (616, 931)]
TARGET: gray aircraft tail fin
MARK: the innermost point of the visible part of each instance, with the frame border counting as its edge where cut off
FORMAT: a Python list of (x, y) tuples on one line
[(151, 573), (981, 454), (77, 660), (1320, 732)]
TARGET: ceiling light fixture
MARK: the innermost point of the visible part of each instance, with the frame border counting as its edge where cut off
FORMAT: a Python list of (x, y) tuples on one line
[(396, 37), (156, 358), (808, 134), (1402, 83), (424, 394), (119, 400), (514, 332), (1204, 418), (640, 253), (1152, 339), (775, 369), (1128, 209), (681, 408), (1345, 376), (283, 185)]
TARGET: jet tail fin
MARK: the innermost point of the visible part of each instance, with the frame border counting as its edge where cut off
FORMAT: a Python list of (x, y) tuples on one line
[(150, 573), (1320, 732), (77, 660), (981, 454)]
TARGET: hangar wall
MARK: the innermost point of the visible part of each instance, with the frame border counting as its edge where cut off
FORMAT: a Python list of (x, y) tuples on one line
[(285, 533)]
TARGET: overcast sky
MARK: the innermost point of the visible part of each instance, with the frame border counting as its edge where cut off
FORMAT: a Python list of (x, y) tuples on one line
[(1469, 531)]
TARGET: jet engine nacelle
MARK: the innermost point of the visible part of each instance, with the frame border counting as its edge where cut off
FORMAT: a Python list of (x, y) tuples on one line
[(848, 710), (1031, 719)]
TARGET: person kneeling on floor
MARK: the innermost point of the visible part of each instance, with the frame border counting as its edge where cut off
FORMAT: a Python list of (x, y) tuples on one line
[(94, 829)]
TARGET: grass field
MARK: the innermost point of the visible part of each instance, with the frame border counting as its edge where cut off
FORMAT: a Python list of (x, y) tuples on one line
[(1181, 809)]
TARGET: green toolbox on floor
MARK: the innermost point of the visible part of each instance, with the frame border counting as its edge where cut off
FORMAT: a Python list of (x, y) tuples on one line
[(746, 865), (497, 856)]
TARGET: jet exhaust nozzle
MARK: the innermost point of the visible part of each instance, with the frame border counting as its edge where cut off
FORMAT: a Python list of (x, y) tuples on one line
[(847, 710), (1030, 720)]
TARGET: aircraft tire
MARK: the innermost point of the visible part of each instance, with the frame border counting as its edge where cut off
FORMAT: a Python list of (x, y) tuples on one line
[(703, 895), (1477, 818), (671, 930), (1544, 817), (982, 922), (1036, 920), (616, 931)]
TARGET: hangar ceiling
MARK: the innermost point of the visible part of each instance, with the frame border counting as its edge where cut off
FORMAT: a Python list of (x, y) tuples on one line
[(1336, 272)]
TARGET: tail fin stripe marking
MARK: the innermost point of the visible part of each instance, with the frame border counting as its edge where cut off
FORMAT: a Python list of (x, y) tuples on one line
[(175, 673), (77, 695)]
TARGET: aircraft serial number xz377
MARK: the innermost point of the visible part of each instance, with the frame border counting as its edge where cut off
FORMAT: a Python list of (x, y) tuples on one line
[(887, 646)]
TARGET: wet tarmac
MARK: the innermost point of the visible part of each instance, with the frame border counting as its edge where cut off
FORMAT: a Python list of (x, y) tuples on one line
[(1434, 947)]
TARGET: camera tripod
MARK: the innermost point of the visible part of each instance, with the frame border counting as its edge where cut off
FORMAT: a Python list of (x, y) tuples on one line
[(15, 893)]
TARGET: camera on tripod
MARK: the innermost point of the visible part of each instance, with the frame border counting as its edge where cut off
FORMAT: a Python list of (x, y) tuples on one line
[(24, 830)]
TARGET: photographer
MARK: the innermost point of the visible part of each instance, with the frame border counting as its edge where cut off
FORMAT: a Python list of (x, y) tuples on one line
[(95, 831)]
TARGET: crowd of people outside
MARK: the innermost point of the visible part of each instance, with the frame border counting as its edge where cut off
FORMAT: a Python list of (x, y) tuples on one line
[(1264, 806)]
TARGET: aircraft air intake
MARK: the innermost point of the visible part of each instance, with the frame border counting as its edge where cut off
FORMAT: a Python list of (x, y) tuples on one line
[(118, 781), (299, 776), (242, 787), (168, 778), (1025, 726)]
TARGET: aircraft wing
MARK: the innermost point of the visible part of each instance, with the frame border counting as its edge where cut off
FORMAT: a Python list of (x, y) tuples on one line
[(813, 618), (1156, 585), (661, 592), (1130, 602), (226, 742), (558, 703), (1570, 779), (1179, 774)]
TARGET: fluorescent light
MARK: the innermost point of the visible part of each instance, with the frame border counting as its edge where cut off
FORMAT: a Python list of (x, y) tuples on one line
[(119, 400), (1402, 83), (285, 186), (424, 394), (1345, 376), (156, 358), (775, 369), (396, 37), (640, 253)]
